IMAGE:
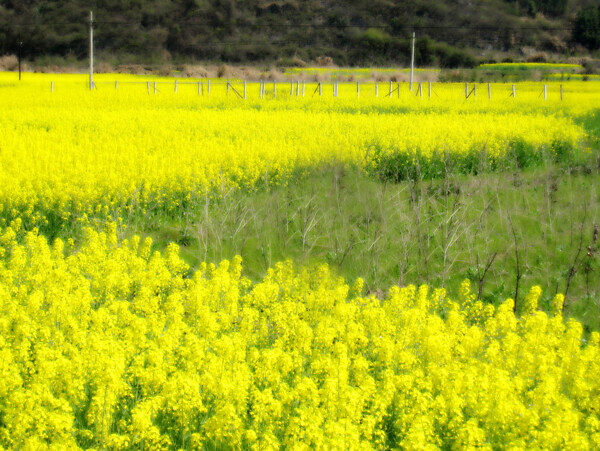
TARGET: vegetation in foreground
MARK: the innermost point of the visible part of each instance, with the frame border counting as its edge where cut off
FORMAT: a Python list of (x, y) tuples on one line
[(117, 347)]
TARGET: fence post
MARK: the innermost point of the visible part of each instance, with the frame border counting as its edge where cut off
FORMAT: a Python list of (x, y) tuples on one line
[(148, 86), (474, 90), (227, 87), (466, 90), (175, 85), (358, 89), (298, 88), (391, 89), (292, 89), (430, 90), (116, 84), (208, 88), (200, 88), (489, 91), (398, 89), (52, 86), (303, 88), (545, 93), (154, 87), (320, 89), (376, 89), (514, 92), (561, 92)]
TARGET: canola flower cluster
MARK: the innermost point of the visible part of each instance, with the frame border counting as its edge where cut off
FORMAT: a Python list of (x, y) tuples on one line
[(71, 154), (359, 73), (115, 347), (536, 66)]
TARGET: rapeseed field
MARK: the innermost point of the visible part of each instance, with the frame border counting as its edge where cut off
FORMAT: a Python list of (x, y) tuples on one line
[(107, 343)]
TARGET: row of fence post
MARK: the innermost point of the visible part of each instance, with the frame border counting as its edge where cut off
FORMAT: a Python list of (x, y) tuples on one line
[(295, 88)]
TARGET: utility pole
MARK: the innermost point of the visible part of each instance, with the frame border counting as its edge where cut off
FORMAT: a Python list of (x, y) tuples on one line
[(20, 47), (412, 62), (91, 50)]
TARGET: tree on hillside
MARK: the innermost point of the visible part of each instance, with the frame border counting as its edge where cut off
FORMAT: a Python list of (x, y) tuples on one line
[(587, 28)]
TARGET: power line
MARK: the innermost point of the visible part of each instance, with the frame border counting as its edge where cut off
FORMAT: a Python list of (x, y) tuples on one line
[(304, 25)]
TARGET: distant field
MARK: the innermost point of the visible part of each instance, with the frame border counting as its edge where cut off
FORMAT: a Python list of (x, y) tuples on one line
[(169, 149), (532, 66), (358, 73)]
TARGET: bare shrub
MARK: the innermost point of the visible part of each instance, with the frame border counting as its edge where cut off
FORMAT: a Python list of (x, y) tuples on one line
[(9, 63), (224, 71), (274, 75), (537, 58), (135, 69), (247, 73), (104, 68), (297, 62), (193, 71), (325, 61)]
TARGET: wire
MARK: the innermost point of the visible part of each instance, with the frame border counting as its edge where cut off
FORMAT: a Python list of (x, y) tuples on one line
[(301, 26)]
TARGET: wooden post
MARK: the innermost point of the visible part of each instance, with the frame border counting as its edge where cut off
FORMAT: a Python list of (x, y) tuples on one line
[(298, 88), (490, 91), (391, 89), (398, 89), (303, 88), (175, 85), (474, 90), (357, 89), (561, 92), (466, 90), (320, 89), (430, 90), (412, 62), (20, 48), (514, 92), (154, 87), (200, 88), (208, 88), (292, 89), (148, 86), (545, 93), (376, 89), (227, 87), (52, 86), (91, 50), (116, 84)]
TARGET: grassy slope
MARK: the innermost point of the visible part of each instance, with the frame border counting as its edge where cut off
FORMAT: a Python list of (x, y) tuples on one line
[(439, 232)]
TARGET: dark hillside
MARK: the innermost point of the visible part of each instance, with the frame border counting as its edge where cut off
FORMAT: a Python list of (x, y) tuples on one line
[(451, 32)]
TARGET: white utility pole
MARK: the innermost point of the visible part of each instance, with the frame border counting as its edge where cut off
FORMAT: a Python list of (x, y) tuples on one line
[(91, 50), (412, 62)]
